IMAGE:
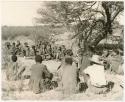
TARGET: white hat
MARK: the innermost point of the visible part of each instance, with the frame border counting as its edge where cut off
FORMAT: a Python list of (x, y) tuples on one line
[(95, 58)]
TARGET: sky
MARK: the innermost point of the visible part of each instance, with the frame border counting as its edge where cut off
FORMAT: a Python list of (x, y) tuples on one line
[(21, 13)]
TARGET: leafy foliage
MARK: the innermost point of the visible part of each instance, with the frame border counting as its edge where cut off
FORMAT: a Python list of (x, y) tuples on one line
[(92, 21)]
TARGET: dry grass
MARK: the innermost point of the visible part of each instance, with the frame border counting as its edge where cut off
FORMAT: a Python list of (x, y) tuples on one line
[(19, 90)]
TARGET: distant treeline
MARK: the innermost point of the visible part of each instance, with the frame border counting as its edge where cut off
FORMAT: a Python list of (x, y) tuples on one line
[(11, 32)]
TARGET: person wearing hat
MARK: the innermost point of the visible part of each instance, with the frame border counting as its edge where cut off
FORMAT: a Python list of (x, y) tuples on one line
[(95, 76)]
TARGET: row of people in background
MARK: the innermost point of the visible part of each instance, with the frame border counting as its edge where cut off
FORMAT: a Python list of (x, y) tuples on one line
[(47, 51), (112, 59)]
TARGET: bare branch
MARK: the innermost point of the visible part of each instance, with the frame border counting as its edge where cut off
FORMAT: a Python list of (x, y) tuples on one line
[(116, 14)]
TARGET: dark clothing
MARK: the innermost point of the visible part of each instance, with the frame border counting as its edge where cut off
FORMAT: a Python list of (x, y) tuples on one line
[(84, 63)]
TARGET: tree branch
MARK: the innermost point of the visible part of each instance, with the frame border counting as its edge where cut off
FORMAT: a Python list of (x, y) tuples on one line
[(116, 14)]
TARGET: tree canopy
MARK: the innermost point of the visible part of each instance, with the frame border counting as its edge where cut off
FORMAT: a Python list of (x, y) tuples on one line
[(91, 21)]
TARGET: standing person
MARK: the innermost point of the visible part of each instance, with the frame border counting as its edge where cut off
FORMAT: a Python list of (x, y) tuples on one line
[(69, 53), (6, 52), (49, 50), (12, 68), (13, 49), (19, 48), (58, 53), (54, 50), (63, 50), (69, 77), (39, 73), (32, 51), (43, 50), (26, 49)]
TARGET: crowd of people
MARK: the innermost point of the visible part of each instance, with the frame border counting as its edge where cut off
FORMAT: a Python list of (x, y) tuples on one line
[(46, 50), (88, 66)]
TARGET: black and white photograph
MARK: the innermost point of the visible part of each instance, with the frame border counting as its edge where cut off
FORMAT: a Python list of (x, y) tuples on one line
[(62, 50)]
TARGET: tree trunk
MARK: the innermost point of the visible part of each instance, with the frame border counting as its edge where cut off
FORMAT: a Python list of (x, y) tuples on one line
[(99, 38)]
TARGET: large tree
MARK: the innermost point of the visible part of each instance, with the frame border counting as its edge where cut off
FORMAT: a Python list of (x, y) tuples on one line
[(91, 21)]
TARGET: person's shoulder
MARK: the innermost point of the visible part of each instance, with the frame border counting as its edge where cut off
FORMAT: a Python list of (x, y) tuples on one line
[(34, 65), (17, 63), (98, 67), (43, 66), (89, 68)]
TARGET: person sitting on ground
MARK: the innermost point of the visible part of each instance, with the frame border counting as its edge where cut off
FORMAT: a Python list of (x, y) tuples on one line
[(103, 57), (69, 53), (95, 78), (12, 69), (115, 61), (39, 74), (69, 77)]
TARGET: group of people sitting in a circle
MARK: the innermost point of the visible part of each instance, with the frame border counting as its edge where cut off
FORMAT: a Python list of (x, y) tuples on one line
[(83, 74)]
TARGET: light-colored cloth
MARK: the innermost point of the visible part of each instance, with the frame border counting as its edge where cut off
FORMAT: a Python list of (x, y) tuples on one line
[(12, 70), (69, 79), (97, 75)]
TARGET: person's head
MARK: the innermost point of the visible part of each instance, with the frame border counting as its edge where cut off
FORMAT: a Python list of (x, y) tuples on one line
[(69, 52), (105, 52), (26, 44), (14, 58), (18, 42), (115, 52), (13, 44), (68, 60), (38, 59), (33, 47)]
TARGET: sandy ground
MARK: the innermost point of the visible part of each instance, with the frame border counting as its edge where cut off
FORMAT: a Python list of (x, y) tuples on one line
[(26, 94)]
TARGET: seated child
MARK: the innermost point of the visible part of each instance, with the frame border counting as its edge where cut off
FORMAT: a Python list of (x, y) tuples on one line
[(12, 68), (39, 73), (69, 77)]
